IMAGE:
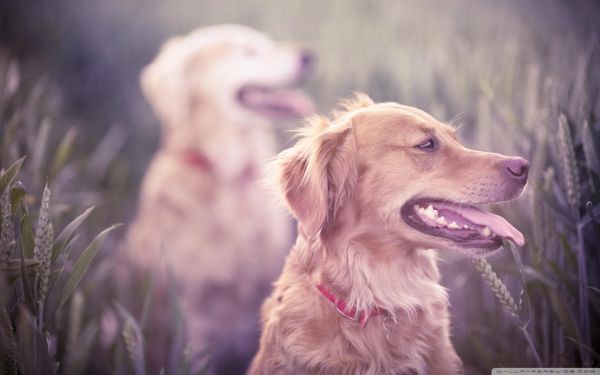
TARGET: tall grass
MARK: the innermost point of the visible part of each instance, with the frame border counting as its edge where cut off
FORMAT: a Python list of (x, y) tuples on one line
[(522, 75), (37, 274), (560, 137), (55, 314)]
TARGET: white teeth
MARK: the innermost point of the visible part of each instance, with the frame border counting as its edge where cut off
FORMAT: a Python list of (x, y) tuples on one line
[(486, 231), (431, 213)]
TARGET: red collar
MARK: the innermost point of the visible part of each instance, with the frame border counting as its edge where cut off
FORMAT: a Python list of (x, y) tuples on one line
[(197, 160), (359, 316), (201, 162)]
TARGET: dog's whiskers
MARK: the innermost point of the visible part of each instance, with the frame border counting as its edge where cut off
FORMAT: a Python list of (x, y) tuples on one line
[(443, 203)]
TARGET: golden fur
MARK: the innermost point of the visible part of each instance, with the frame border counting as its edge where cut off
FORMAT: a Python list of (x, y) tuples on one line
[(345, 181)]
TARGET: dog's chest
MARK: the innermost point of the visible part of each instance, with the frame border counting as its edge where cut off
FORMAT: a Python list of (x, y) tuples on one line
[(203, 219), (392, 344), (381, 347)]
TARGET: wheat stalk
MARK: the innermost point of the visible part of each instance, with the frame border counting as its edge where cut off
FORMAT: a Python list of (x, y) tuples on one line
[(568, 162), (506, 299), (44, 238), (537, 225), (133, 340), (7, 231), (11, 355), (548, 179), (129, 340), (497, 286), (589, 150), (73, 330)]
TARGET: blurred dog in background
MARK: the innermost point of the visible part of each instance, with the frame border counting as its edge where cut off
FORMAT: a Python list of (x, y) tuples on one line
[(202, 211)]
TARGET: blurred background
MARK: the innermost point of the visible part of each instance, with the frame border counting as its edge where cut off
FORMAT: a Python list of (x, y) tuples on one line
[(518, 77)]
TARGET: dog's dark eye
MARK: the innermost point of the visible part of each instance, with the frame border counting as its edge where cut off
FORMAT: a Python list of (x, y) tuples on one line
[(428, 145)]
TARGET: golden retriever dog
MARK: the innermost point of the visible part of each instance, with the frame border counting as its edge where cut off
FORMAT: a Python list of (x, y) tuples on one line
[(373, 190), (202, 210)]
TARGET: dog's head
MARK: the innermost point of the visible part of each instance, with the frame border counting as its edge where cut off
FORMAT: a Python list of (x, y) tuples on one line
[(395, 170), (233, 70)]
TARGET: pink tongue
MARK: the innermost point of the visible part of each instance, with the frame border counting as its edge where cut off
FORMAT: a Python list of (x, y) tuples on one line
[(496, 223), (294, 101)]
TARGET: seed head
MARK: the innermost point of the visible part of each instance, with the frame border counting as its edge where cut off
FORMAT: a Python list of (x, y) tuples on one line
[(568, 163), (44, 238), (7, 231), (497, 286)]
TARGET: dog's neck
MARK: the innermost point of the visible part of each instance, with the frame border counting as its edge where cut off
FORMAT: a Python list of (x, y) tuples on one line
[(376, 272), (226, 150)]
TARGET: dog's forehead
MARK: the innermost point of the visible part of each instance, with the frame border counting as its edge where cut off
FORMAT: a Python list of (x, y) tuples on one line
[(387, 120), (401, 108), (213, 39), (226, 34), (401, 115)]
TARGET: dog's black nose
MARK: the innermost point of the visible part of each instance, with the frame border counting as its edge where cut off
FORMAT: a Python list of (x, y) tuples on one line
[(306, 59), (517, 168)]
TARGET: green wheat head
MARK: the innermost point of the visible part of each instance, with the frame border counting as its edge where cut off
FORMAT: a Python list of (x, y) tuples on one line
[(568, 162), (497, 286), (7, 232), (44, 239)]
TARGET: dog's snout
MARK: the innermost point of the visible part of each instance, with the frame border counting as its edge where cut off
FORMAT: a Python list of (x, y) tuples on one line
[(517, 168), (306, 59)]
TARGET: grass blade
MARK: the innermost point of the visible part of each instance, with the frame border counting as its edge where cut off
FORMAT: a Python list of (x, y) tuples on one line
[(27, 285), (564, 315), (40, 150), (82, 264), (7, 178), (9, 344), (17, 193), (585, 348), (65, 236), (79, 343), (133, 340), (595, 298), (25, 339), (27, 242), (62, 153), (148, 297)]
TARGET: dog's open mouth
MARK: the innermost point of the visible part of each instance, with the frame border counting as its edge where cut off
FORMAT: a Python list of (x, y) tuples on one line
[(276, 102), (465, 225)]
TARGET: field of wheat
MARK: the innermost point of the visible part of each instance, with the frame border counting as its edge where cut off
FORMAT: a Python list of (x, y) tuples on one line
[(518, 78)]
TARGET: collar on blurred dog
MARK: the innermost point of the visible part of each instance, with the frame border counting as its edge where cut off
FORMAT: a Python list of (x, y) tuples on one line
[(197, 160), (359, 316), (201, 162)]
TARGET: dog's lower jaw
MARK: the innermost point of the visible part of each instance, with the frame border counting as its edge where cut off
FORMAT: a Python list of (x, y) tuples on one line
[(303, 333)]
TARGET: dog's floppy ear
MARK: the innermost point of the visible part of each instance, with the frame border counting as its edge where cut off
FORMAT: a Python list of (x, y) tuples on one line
[(161, 82), (318, 175)]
